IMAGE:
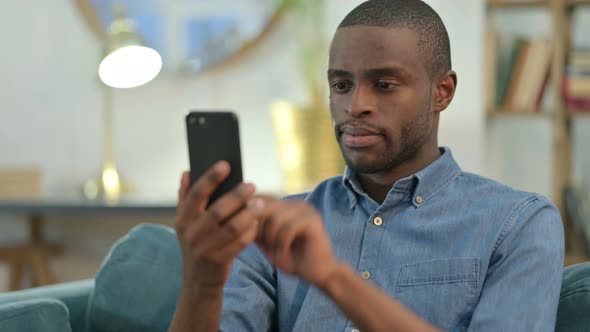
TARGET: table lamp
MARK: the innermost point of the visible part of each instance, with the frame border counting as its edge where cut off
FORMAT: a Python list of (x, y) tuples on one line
[(127, 64)]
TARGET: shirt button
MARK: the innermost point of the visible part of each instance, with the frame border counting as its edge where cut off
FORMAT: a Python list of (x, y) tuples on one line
[(377, 221), (419, 199), (354, 330), (366, 275)]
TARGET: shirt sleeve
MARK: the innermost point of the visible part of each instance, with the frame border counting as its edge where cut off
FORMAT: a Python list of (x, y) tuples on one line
[(521, 288), (249, 296)]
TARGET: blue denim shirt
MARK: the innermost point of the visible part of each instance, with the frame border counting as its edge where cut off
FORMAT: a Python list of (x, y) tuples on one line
[(460, 250)]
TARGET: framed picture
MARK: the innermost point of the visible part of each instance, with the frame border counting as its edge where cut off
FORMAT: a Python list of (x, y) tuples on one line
[(190, 35)]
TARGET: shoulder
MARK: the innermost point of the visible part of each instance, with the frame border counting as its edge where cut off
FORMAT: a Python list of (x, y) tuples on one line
[(480, 182), (496, 193), (525, 213)]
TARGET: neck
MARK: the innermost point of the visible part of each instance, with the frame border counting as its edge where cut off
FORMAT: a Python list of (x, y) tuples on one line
[(378, 185)]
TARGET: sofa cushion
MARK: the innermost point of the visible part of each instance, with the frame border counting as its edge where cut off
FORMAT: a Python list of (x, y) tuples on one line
[(573, 313), (73, 294), (138, 283), (49, 315)]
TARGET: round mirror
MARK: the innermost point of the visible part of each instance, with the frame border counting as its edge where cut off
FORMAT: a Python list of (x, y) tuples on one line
[(190, 35)]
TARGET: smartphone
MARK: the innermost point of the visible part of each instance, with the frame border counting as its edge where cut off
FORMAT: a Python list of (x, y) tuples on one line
[(214, 136)]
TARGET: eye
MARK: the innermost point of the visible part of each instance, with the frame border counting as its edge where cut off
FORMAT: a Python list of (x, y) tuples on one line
[(384, 85), (341, 86)]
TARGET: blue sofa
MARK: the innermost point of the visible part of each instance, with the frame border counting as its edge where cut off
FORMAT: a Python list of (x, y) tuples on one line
[(135, 289), (139, 281)]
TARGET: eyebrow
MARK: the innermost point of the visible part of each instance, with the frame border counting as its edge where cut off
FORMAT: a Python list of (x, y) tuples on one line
[(388, 71), (385, 71), (338, 73)]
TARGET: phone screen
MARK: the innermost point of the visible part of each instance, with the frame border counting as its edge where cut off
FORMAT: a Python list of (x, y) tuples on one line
[(214, 136)]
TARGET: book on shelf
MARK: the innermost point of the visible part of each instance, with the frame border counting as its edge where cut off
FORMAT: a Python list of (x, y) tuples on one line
[(576, 81), (574, 102), (578, 86), (529, 75), (578, 74), (580, 58), (577, 105), (505, 65), (490, 82)]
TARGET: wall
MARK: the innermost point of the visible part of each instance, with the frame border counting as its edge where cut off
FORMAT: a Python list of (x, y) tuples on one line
[(51, 102)]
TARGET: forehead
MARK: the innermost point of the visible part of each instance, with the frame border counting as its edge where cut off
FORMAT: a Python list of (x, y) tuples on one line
[(362, 47)]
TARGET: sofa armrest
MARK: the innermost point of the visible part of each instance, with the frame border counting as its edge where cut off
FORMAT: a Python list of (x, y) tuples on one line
[(48, 315), (74, 295), (574, 300)]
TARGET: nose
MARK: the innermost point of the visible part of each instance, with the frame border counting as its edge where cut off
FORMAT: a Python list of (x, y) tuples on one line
[(362, 103)]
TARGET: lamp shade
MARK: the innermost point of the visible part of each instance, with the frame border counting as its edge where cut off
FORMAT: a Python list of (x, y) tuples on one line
[(127, 63), (130, 66)]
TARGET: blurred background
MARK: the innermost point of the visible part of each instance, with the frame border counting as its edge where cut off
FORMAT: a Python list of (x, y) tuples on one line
[(83, 161)]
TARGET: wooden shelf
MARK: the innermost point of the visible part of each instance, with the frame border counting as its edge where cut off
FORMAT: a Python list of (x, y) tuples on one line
[(572, 3), (501, 113), (579, 115), (518, 3)]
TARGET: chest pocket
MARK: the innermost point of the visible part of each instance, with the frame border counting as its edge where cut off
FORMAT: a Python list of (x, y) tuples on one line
[(442, 291)]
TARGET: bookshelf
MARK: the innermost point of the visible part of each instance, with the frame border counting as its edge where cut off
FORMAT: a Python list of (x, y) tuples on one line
[(506, 113), (517, 3), (534, 3), (500, 105)]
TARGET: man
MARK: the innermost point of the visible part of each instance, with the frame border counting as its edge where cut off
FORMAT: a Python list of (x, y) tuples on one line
[(404, 241)]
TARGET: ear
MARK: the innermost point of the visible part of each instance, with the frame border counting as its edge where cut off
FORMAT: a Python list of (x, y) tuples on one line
[(444, 91)]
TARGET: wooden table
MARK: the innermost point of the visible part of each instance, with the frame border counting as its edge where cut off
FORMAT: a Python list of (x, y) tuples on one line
[(36, 251)]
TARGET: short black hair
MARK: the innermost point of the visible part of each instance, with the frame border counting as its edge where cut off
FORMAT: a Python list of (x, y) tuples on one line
[(414, 15)]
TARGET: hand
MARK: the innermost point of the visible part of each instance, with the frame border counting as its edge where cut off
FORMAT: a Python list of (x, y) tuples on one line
[(293, 238), (211, 238)]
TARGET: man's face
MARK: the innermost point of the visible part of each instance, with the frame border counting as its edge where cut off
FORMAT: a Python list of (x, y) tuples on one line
[(380, 97)]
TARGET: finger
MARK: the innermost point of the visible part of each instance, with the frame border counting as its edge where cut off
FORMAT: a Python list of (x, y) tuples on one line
[(232, 230), (210, 222), (229, 204), (264, 208), (284, 252), (264, 205), (233, 250), (282, 218), (287, 235), (182, 192), (198, 195), (183, 189), (184, 186), (264, 211)]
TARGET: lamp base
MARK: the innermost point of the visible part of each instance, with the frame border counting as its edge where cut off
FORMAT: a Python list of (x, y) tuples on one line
[(108, 186), (307, 150)]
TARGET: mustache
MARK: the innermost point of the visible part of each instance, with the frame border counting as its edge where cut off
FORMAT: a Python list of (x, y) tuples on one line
[(339, 127)]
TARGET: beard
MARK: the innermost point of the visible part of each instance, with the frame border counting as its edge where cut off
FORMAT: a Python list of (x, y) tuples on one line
[(413, 136)]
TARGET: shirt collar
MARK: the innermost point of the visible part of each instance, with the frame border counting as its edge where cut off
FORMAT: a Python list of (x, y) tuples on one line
[(422, 185)]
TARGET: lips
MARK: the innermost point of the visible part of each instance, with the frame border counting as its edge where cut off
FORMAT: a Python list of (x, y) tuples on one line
[(360, 137), (359, 131)]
